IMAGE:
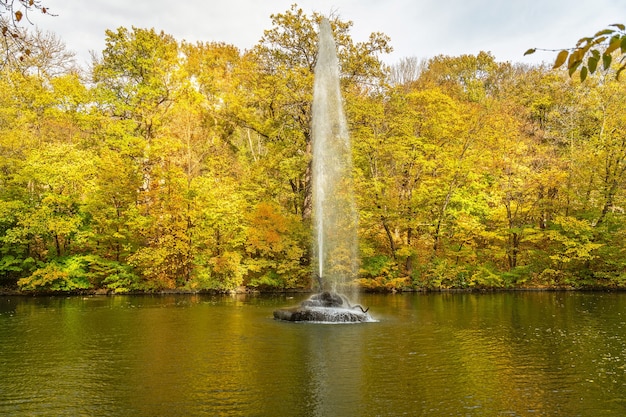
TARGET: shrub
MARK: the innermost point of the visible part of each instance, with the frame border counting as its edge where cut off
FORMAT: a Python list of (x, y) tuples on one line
[(81, 272), (67, 274)]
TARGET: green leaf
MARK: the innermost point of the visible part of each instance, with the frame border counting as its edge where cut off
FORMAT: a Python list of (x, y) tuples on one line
[(606, 61), (530, 51), (620, 26), (574, 67), (583, 74), (623, 44), (560, 59), (592, 63)]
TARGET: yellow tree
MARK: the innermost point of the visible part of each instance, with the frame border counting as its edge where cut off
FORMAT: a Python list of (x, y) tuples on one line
[(136, 81)]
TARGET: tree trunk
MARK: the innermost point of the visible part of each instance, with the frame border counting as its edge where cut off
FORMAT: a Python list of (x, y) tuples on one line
[(392, 244)]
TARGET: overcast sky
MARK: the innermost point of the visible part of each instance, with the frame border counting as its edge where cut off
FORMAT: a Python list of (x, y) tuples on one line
[(417, 28)]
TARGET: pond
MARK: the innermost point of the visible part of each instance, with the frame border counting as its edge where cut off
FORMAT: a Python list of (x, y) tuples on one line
[(444, 354)]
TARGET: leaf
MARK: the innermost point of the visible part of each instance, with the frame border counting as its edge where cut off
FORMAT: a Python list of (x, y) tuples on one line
[(619, 71), (592, 63), (606, 61), (18, 15), (615, 43), (574, 58), (599, 40), (560, 59), (623, 44), (583, 74), (574, 67), (620, 26), (582, 40), (530, 51), (604, 32)]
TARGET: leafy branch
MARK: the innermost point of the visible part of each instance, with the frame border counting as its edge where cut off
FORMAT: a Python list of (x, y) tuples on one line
[(592, 51), (13, 39)]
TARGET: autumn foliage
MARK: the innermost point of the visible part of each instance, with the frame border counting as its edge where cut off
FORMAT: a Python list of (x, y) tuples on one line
[(173, 165)]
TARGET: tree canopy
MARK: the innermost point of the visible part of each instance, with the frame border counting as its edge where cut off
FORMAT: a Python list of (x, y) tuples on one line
[(187, 165)]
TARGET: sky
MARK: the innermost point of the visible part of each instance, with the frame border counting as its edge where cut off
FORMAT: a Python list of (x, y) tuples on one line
[(417, 28)]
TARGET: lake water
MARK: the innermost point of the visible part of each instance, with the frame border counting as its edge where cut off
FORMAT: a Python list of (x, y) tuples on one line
[(453, 354)]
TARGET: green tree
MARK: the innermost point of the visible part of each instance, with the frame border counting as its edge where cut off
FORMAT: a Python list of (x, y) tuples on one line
[(136, 75), (41, 130)]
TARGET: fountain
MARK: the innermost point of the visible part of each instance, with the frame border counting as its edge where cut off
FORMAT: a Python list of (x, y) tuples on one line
[(335, 249)]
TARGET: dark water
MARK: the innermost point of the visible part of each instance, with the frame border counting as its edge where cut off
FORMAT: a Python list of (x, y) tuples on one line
[(506, 354)]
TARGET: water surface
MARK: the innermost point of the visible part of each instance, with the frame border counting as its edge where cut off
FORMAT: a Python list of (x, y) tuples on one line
[(510, 354)]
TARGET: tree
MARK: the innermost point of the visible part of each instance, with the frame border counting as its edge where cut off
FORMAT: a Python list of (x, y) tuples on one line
[(274, 248), (406, 71), (137, 79), (49, 56), (15, 42), (136, 73), (44, 164), (279, 108)]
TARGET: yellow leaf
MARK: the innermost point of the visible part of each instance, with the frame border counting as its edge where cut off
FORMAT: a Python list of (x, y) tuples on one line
[(615, 43), (574, 58), (560, 59)]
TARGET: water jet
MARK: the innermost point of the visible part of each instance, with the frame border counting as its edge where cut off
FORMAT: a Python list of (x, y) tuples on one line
[(335, 246)]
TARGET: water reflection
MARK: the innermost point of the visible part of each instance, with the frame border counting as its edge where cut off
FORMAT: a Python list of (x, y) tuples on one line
[(521, 354), (334, 368)]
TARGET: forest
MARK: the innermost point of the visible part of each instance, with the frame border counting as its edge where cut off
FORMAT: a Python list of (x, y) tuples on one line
[(175, 165)]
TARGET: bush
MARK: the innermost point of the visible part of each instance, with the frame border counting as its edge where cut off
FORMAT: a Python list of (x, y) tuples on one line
[(81, 272), (111, 275), (67, 274), (484, 277), (380, 273)]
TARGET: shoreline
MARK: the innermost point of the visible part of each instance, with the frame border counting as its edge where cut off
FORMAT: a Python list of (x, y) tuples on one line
[(7, 292)]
